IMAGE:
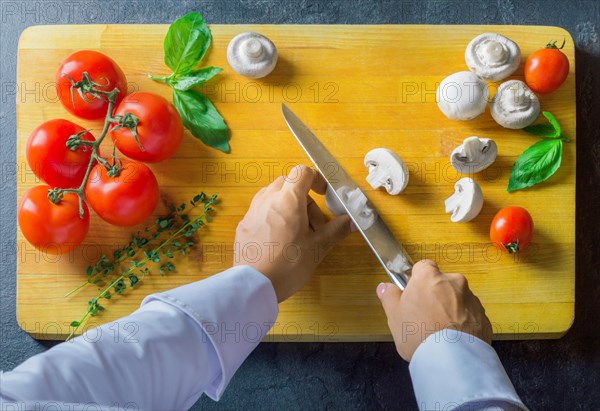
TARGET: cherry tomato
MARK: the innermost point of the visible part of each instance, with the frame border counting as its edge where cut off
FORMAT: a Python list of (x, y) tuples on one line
[(50, 159), (546, 69), (101, 70), (125, 199), (511, 229), (52, 228), (159, 128)]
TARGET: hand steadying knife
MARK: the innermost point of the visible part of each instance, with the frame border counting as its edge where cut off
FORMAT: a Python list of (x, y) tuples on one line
[(191, 340), (390, 253)]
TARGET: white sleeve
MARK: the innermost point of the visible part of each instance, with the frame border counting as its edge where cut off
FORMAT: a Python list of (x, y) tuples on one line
[(452, 370), (178, 345)]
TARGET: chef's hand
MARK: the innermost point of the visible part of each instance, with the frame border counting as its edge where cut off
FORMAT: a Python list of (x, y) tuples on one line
[(431, 302), (284, 234)]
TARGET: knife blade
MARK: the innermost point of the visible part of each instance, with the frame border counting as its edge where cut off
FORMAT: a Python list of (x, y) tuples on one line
[(388, 250)]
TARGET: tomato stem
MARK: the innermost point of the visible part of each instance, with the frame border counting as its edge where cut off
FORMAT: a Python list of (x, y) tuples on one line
[(75, 140), (552, 44), (511, 247)]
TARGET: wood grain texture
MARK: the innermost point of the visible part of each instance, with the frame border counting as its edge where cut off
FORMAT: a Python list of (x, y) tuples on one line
[(358, 87)]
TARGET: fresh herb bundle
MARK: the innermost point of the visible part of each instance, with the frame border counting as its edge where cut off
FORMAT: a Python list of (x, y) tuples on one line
[(540, 161), (186, 44), (148, 252)]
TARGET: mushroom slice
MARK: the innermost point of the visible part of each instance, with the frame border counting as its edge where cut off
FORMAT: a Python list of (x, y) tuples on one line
[(386, 170), (473, 155), (466, 202), (357, 203), (252, 55), (515, 105), (492, 56), (462, 96)]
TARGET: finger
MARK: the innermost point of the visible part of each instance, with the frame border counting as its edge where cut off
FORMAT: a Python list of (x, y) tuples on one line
[(319, 184), (316, 218), (257, 197), (389, 295), (300, 180), (459, 281), (276, 184), (333, 232), (425, 268)]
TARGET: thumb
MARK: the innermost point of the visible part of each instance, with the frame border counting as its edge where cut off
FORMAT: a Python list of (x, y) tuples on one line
[(333, 232), (389, 294)]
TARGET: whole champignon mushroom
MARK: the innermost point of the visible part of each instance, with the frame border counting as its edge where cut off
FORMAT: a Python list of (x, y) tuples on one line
[(466, 202), (252, 55), (386, 170), (515, 106), (473, 155), (356, 202), (492, 56), (462, 96)]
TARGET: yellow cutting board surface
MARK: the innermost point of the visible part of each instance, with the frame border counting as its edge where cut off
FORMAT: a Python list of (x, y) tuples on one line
[(357, 87)]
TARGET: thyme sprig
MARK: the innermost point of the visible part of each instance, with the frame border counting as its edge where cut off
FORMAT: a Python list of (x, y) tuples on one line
[(149, 251)]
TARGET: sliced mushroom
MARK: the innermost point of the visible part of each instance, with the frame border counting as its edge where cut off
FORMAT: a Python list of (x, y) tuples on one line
[(492, 56), (473, 155), (252, 55), (399, 264), (462, 96), (466, 202), (515, 105), (386, 170), (357, 203)]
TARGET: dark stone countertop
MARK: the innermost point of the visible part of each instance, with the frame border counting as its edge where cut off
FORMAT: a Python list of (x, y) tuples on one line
[(549, 375)]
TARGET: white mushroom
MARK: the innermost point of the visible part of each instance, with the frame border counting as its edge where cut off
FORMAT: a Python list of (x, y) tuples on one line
[(386, 170), (357, 203), (473, 155), (252, 55), (515, 105), (462, 96), (466, 202), (492, 56)]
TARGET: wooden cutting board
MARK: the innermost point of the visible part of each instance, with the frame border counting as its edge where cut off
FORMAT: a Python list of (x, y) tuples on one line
[(358, 87)]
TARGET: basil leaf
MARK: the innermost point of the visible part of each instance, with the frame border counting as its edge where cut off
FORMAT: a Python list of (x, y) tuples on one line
[(536, 164), (186, 43), (542, 130), (554, 122), (202, 119), (194, 78), (551, 130)]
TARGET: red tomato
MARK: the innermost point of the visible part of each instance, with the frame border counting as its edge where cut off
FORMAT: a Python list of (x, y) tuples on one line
[(126, 199), (51, 160), (52, 228), (511, 229), (159, 128), (546, 69), (101, 70)]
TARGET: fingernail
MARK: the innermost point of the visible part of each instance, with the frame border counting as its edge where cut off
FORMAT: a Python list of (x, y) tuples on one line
[(381, 289), (353, 227)]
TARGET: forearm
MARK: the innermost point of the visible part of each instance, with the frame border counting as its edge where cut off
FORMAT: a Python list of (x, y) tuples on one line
[(178, 345), (455, 370)]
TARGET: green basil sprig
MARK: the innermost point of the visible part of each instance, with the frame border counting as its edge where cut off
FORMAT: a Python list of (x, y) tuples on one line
[(186, 44), (540, 161)]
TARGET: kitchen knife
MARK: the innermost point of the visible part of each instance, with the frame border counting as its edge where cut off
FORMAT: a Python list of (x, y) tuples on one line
[(390, 253)]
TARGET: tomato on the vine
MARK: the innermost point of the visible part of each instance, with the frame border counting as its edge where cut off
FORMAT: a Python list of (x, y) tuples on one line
[(50, 158), (126, 199), (511, 229), (52, 228), (102, 70), (546, 69), (159, 127)]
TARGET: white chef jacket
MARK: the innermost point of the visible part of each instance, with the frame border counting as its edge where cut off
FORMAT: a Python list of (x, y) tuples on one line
[(190, 341)]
